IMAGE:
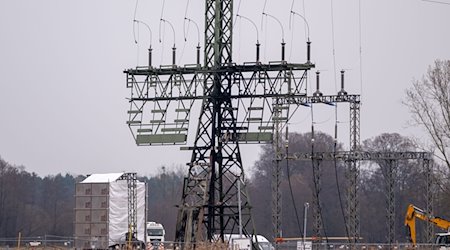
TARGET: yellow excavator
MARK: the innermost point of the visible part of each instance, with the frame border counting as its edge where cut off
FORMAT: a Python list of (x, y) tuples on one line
[(413, 212)]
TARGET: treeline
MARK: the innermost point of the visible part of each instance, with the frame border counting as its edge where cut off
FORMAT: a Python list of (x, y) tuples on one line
[(33, 205), (39, 206), (409, 187)]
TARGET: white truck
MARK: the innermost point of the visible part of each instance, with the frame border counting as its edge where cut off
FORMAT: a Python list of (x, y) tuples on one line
[(443, 240), (237, 242), (155, 233)]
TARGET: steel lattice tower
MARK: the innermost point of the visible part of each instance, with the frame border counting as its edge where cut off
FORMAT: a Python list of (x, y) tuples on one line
[(430, 182), (209, 205), (131, 179), (216, 161), (276, 179), (353, 225), (391, 164), (390, 175), (317, 213)]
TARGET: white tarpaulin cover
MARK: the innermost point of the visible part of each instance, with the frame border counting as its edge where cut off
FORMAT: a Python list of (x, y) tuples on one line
[(102, 178), (118, 211)]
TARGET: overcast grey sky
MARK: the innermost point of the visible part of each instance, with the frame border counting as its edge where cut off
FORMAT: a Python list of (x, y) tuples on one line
[(62, 90)]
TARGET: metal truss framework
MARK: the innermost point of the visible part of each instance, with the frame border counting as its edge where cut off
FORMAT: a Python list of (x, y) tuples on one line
[(160, 106), (317, 207), (218, 129), (390, 176), (161, 90), (160, 109), (391, 159), (317, 98), (276, 180), (428, 167), (131, 179), (352, 172), (276, 200)]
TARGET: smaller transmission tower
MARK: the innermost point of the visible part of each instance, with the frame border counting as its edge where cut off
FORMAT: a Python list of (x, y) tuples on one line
[(131, 179), (391, 158)]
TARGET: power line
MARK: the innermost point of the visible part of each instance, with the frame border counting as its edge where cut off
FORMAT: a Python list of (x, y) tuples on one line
[(254, 25), (438, 2), (134, 21), (159, 30), (292, 197), (148, 28), (186, 31), (360, 49), (334, 50), (336, 172), (279, 22), (237, 12), (134, 31)]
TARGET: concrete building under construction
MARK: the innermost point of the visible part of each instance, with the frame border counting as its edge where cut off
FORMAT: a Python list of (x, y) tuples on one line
[(103, 208)]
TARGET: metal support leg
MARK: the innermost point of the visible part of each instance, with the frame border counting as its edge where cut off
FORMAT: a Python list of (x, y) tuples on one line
[(353, 174), (276, 178), (428, 167), (352, 201), (276, 200), (317, 213), (390, 177)]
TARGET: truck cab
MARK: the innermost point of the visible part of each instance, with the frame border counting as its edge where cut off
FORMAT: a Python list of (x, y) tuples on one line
[(155, 233), (443, 241), (237, 242)]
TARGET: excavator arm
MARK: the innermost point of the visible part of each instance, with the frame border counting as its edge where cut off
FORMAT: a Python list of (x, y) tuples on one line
[(414, 212)]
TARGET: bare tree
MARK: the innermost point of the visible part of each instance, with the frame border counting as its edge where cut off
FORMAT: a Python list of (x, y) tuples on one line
[(429, 103), (409, 183)]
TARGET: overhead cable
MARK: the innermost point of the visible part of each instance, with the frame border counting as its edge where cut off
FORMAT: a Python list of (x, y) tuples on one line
[(148, 28), (336, 173), (134, 21), (237, 12), (290, 186), (316, 191), (360, 50), (254, 25), (171, 27), (278, 21), (334, 50), (439, 2), (186, 31), (134, 32), (292, 13), (159, 30)]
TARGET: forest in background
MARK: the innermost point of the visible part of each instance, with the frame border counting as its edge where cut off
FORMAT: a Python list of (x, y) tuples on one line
[(38, 206)]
